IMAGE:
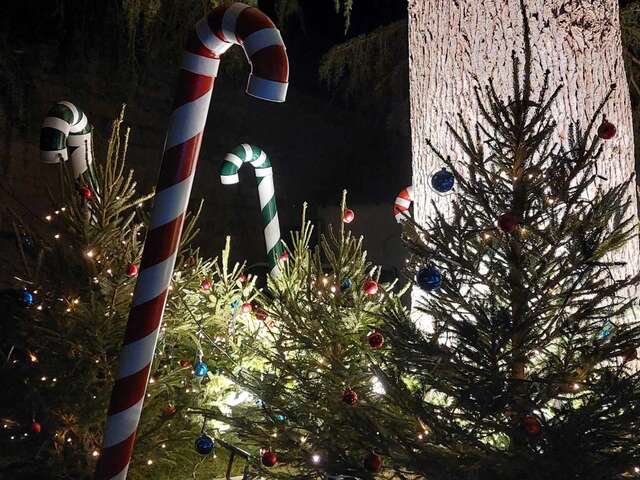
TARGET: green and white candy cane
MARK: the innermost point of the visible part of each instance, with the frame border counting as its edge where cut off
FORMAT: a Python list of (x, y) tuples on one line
[(66, 134), (266, 193)]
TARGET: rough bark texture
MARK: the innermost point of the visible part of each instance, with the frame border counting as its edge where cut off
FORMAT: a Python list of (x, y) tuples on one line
[(457, 44)]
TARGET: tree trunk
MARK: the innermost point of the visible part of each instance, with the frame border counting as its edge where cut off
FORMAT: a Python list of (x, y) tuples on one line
[(457, 44)]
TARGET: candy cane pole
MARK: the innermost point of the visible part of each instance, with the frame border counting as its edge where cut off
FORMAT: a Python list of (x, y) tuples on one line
[(264, 176), (402, 204), (66, 133), (213, 35)]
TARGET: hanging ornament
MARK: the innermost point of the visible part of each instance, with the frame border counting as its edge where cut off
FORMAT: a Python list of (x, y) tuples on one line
[(132, 270), (26, 298), (235, 304), (184, 363), (204, 444), (429, 278), (373, 462), (205, 284), (349, 396), (36, 427), (169, 410), (280, 418), (85, 192), (629, 354), (370, 287), (242, 278), (246, 307), (442, 181), (200, 369), (607, 329), (507, 222), (606, 130), (269, 459), (284, 256), (531, 425), (261, 314), (346, 284), (375, 339), (348, 215)]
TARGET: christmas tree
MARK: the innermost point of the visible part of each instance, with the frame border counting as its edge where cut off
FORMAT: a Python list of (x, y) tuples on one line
[(64, 321), (314, 397), (528, 370)]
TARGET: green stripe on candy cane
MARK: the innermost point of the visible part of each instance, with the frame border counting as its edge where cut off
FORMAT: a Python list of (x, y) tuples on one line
[(266, 193)]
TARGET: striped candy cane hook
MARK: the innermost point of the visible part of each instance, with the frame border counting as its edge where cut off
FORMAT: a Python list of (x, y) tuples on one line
[(224, 26), (67, 134), (266, 192), (402, 204)]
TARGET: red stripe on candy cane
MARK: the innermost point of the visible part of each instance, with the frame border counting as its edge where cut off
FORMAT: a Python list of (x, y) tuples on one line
[(224, 26), (402, 204)]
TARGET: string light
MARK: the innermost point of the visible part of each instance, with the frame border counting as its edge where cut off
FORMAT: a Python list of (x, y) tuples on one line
[(149, 462), (95, 453), (33, 358), (48, 218), (164, 445), (57, 236), (315, 458), (89, 253)]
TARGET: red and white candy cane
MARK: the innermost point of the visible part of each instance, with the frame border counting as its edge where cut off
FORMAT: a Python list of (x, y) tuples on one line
[(224, 26), (402, 204)]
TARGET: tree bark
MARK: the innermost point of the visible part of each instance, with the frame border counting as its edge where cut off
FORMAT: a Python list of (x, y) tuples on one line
[(457, 44)]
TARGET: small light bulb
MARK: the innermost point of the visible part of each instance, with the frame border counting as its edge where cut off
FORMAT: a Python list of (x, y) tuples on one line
[(95, 453), (152, 380), (90, 253), (48, 218), (315, 458), (164, 445), (56, 236), (44, 379), (149, 462)]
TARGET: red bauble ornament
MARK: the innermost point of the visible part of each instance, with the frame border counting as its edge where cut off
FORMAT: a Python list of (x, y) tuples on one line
[(349, 396), (630, 354), (205, 284), (36, 427), (606, 130), (132, 270), (242, 277), (269, 458), (85, 192), (169, 410), (373, 462), (261, 314), (508, 222), (375, 339), (246, 307), (348, 216), (184, 363), (284, 256), (370, 287), (531, 425)]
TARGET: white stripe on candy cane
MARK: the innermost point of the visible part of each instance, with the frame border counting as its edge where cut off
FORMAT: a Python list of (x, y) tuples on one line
[(210, 39), (403, 202), (233, 158), (272, 233), (265, 191), (53, 156), (229, 179), (188, 120), (201, 65), (170, 202), (122, 424), (230, 20), (260, 160), (57, 124), (154, 280), (79, 126), (135, 356), (264, 172), (262, 88), (262, 39)]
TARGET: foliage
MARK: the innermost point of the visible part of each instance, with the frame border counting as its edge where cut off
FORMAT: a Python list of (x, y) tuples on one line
[(60, 353)]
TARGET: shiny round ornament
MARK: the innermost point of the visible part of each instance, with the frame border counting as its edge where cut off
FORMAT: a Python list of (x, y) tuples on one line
[(372, 462), (132, 270), (246, 307), (205, 284), (350, 397), (348, 216), (200, 369), (169, 410), (442, 181), (346, 284), (269, 459), (284, 256), (508, 222), (370, 287), (531, 425), (26, 297), (85, 192), (376, 340), (36, 427), (204, 444), (184, 363), (606, 130), (429, 278)]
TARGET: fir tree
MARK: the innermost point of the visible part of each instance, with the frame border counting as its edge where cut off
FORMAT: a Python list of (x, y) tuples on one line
[(64, 321), (529, 371)]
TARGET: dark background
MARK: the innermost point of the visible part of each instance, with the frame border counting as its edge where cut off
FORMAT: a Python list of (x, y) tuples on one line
[(99, 56)]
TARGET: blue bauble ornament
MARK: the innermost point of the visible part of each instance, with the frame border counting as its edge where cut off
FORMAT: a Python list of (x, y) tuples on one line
[(606, 330), (26, 297), (346, 284), (235, 304), (280, 418), (442, 181), (200, 369), (204, 444), (429, 278)]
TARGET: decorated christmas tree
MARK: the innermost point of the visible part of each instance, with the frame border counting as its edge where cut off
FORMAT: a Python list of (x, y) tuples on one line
[(63, 323), (314, 395), (529, 368)]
